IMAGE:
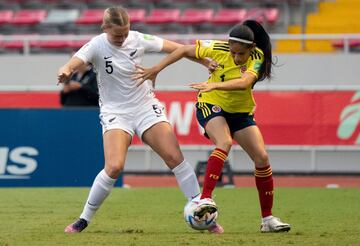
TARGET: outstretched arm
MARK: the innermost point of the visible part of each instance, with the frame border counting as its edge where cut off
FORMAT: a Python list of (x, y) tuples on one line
[(65, 72), (170, 46), (143, 74), (247, 80)]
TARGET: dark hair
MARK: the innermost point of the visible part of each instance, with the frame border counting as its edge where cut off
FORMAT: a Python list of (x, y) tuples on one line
[(251, 31)]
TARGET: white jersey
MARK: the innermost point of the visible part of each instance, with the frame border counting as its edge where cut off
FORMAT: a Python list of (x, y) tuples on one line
[(116, 65)]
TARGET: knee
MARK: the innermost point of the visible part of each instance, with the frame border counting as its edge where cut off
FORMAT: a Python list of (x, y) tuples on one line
[(173, 159), (225, 144), (114, 168), (262, 160)]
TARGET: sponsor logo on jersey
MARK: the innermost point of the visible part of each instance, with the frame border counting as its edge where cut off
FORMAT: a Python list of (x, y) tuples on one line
[(107, 57), (148, 37), (133, 53), (216, 109)]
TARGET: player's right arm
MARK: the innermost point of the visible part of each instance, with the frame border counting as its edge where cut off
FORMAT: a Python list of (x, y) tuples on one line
[(65, 72)]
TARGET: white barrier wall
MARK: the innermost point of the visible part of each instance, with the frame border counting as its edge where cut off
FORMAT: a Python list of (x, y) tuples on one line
[(302, 71)]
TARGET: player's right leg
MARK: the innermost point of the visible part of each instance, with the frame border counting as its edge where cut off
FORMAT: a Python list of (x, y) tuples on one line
[(116, 143), (218, 131)]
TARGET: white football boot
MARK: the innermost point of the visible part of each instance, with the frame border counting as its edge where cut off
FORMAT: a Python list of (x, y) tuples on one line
[(206, 205), (274, 225)]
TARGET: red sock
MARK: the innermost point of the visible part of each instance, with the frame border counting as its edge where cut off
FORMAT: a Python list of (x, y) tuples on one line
[(213, 171), (265, 186)]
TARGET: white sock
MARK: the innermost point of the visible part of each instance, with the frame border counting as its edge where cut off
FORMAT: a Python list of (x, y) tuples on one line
[(100, 189), (187, 180)]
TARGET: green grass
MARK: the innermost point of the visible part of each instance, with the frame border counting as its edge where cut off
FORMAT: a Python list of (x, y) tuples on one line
[(37, 216)]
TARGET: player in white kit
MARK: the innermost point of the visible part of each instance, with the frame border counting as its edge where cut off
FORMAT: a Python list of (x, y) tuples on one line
[(126, 108)]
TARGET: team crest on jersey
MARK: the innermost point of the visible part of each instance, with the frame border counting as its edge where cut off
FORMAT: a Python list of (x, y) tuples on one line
[(243, 69), (216, 109)]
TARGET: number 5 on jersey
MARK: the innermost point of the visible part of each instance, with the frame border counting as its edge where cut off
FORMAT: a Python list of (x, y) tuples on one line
[(108, 67)]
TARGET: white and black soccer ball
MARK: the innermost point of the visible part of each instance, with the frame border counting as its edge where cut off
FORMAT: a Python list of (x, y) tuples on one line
[(196, 223)]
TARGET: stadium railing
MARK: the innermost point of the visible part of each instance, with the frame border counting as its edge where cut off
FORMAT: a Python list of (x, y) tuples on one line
[(25, 44)]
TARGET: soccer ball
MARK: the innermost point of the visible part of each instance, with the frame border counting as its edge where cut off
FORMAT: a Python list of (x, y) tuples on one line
[(196, 223)]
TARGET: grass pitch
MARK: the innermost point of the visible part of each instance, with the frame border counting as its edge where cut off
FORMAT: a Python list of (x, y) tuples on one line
[(153, 216)]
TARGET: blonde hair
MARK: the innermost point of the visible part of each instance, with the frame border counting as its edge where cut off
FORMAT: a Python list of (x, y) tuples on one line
[(115, 16)]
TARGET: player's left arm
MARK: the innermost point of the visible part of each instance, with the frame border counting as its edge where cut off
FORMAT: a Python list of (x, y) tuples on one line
[(246, 81), (170, 46)]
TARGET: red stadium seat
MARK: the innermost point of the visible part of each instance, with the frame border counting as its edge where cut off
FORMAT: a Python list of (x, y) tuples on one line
[(272, 15), (196, 16), (17, 43), (229, 16), (77, 44), (354, 43), (136, 15), (90, 17), (28, 17), (6, 16), (269, 15), (163, 16)]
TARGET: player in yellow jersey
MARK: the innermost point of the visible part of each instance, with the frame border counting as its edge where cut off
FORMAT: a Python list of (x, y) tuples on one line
[(225, 108)]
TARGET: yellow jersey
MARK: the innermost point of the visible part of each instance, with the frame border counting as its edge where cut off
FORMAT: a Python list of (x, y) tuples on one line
[(235, 101)]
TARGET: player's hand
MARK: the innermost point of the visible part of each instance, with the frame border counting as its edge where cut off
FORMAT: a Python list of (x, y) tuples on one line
[(202, 86), (64, 75), (212, 65), (142, 74)]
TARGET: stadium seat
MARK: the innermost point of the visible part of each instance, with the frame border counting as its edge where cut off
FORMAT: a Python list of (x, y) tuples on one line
[(28, 17), (272, 15), (197, 20), (353, 44), (163, 16), (17, 43), (90, 17), (196, 16), (6, 16), (77, 44), (136, 15), (268, 15), (229, 16)]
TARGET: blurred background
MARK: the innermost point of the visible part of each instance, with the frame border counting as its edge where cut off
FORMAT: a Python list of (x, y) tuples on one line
[(309, 112)]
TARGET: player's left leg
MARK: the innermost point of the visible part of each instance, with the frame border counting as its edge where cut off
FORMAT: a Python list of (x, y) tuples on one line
[(161, 138), (251, 140)]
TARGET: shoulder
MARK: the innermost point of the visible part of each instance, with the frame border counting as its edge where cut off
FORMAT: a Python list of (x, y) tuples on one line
[(212, 43), (99, 38), (213, 46), (257, 54)]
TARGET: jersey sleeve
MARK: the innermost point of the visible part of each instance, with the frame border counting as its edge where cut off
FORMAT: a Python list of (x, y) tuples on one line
[(256, 60), (204, 48), (151, 43), (87, 51)]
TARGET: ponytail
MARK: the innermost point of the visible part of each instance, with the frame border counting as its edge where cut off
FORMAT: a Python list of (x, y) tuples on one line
[(262, 40)]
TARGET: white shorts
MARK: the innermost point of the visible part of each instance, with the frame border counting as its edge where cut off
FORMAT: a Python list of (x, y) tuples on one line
[(137, 121)]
